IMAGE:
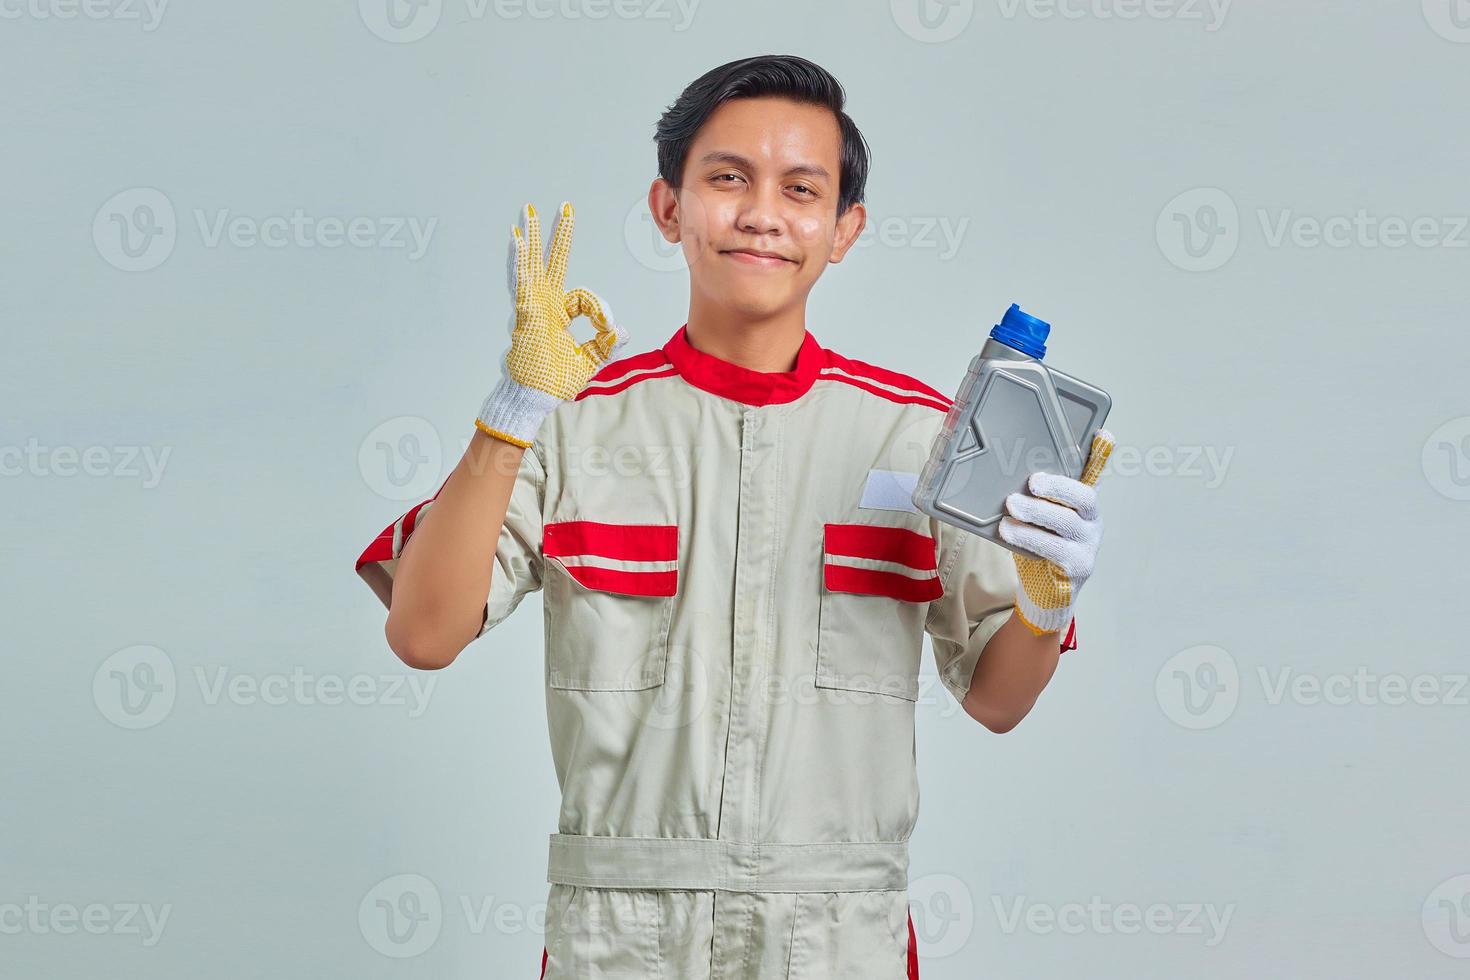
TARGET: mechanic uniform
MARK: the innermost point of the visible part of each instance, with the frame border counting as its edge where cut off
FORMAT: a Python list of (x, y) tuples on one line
[(736, 588)]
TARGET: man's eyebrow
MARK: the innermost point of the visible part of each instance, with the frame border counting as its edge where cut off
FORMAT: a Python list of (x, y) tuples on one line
[(736, 160)]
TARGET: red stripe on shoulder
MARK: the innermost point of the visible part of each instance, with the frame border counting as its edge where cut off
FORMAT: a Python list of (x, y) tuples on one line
[(604, 382), (894, 379), (613, 370), (887, 395)]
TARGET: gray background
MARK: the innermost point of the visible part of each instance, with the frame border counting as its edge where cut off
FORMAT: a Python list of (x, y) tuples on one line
[(1288, 505)]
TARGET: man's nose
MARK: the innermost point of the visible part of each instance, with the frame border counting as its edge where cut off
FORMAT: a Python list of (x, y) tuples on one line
[(760, 211)]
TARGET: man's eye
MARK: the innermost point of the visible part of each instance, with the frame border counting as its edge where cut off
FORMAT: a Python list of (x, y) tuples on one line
[(735, 176), (803, 187)]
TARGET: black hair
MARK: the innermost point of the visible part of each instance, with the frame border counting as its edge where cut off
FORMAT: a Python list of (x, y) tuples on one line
[(784, 75)]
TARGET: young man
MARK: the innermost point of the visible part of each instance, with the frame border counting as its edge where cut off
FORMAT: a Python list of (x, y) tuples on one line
[(736, 585)]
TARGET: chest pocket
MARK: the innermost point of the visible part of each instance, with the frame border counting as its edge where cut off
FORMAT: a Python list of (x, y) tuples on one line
[(877, 583), (609, 596)]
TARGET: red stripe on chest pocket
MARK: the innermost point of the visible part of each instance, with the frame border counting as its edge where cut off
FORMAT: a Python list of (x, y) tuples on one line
[(628, 544), (898, 545)]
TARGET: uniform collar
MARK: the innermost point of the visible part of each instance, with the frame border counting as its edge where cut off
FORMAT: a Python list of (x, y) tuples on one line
[(730, 380)]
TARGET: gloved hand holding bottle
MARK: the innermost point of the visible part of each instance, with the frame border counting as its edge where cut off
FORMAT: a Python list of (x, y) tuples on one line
[(545, 365), (1057, 522)]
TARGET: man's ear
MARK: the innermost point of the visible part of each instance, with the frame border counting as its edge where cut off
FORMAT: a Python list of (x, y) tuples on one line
[(664, 207), (849, 227)]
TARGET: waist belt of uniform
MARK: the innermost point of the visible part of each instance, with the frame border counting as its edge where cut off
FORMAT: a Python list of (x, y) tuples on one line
[(722, 865)]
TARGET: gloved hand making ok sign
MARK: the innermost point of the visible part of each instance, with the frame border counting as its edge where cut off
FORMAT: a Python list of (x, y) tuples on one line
[(545, 365)]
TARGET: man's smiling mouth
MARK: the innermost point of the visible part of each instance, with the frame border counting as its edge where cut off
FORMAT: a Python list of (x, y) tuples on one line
[(757, 257)]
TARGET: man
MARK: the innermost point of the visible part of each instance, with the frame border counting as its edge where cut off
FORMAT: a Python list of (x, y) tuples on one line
[(736, 584)]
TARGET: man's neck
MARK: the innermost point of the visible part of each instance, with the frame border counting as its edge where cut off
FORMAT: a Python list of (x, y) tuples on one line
[(763, 344)]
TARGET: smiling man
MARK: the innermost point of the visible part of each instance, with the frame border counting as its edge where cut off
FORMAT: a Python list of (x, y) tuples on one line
[(732, 644)]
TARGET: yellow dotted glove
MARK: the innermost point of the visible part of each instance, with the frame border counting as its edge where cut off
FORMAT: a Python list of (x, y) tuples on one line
[(545, 366), (1058, 525)]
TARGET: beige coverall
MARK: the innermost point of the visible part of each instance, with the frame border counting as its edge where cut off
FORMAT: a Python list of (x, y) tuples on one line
[(736, 589)]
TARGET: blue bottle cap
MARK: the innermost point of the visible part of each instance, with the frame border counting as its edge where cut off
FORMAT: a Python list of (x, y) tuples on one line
[(1022, 331)]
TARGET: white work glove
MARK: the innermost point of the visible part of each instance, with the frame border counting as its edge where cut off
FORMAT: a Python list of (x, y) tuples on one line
[(1057, 523), (545, 365)]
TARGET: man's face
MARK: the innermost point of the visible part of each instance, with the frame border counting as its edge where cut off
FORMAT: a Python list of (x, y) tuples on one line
[(761, 176)]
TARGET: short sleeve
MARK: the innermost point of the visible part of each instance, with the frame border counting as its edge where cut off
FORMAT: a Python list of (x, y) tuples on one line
[(517, 553), (980, 581)]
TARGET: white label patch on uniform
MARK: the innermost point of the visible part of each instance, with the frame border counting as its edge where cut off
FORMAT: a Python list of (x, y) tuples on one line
[(890, 490)]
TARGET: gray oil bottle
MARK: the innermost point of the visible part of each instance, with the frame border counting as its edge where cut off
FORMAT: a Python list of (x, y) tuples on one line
[(1013, 416)]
